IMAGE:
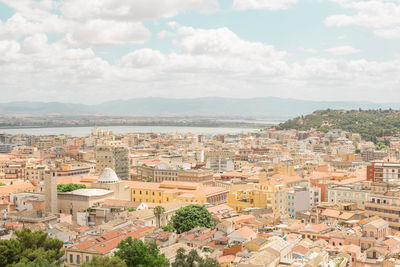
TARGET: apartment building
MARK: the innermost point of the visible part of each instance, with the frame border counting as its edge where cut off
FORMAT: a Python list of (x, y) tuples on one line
[(384, 201), (298, 199), (242, 196), (114, 157), (383, 171), (220, 164), (351, 193), (158, 174)]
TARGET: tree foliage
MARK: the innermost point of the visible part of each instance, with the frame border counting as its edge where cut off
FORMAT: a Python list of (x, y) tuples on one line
[(189, 217), (69, 187), (135, 253), (192, 259), (370, 124), (168, 228), (30, 248), (105, 261)]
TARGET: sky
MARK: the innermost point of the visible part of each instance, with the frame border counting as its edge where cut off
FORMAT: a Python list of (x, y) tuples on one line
[(94, 51)]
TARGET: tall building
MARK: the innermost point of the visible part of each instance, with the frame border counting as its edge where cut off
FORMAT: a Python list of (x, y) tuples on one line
[(50, 187), (383, 171), (298, 199), (113, 157)]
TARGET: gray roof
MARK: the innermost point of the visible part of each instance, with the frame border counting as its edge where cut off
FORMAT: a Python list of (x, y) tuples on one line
[(89, 192)]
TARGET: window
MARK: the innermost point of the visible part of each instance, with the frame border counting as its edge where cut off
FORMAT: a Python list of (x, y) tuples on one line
[(78, 259), (140, 192), (87, 258), (71, 258)]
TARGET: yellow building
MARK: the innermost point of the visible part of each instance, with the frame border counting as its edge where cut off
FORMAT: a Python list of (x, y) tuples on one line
[(262, 196), (168, 191)]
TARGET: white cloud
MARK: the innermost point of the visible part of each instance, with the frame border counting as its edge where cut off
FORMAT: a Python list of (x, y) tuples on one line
[(108, 32), (262, 4), (343, 50), (136, 10), (204, 63), (382, 16), (224, 42), (93, 22)]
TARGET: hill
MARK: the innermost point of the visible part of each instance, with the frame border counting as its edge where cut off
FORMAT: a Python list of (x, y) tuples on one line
[(370, 124), (271, 107)]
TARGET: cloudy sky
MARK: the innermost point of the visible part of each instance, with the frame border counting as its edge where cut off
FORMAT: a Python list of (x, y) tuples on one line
[(98, 50)]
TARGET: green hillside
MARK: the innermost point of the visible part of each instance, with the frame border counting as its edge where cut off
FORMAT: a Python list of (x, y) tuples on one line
[(370, 124)]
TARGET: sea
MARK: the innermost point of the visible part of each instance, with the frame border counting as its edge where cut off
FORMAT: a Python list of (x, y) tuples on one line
[(83, 131)]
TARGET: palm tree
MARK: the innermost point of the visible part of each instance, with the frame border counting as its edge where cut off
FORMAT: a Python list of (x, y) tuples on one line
[(158, 212)]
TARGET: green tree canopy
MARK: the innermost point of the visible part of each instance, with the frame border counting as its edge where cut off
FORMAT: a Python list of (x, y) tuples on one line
[(189, 217), (168, 228), (192, 259), (105, 261), (370, 124), (69, 187), (135, 253), (30, 247)]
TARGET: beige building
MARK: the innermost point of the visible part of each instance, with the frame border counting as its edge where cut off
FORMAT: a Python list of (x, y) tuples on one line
[(114, 157), (82, 199), (353, 193)]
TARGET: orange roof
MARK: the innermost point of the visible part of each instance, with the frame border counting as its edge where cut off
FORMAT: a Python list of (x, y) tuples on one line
[(241, 219), (221, 207), (288, 178), (300, 250), (316, 228), (245, 232), (227, 258), (344, 215), (17, 186)]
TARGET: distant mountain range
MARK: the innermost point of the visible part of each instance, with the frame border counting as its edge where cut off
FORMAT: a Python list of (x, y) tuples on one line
[(271, 107)]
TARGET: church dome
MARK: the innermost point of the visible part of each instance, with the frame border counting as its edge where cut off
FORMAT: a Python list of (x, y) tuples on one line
[(108, 176)]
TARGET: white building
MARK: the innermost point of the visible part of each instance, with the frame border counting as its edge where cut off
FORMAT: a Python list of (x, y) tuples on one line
[(298, 199), (353, 193)]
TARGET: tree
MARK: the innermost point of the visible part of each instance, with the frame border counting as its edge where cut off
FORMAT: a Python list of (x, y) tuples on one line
[(38, 262), (189, 217), (158, 212), (192, 259), (30, 247), (105, 261), (135, 253), (168, 228), (69, 187)]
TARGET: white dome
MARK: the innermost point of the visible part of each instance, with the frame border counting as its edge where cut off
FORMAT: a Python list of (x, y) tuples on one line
[(108, 176)]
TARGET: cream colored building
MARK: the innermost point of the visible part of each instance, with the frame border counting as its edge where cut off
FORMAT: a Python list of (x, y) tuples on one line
[(353, 193), (114, 157)]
